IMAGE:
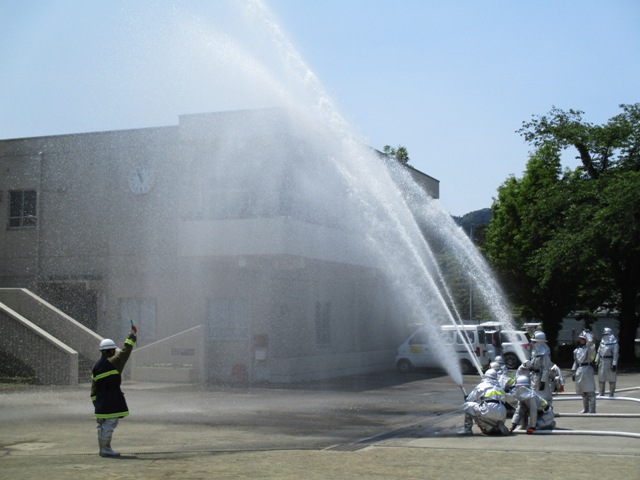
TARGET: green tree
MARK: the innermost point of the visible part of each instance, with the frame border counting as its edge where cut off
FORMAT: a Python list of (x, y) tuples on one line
[(600, 147), (577, 233), (615, 231), (536, 271), (400, 153), (604, 216)]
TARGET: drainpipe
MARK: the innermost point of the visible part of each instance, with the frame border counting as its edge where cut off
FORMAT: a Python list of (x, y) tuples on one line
[(39, 204)]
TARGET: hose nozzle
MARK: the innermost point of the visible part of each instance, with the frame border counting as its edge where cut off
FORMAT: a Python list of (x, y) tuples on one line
[(464, 393)]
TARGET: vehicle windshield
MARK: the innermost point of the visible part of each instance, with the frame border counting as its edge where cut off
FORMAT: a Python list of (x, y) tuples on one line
[(508, 337), (419, 338), (448, 335)]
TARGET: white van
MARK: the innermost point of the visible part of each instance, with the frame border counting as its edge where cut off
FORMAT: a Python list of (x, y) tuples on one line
[(417, 351), (510, 352)]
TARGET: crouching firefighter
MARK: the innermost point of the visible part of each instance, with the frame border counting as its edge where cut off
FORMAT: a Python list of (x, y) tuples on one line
[(106, 395), (485, 406), (533, 412)]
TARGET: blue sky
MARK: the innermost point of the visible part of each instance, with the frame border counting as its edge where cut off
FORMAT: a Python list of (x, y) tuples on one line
[(450, 80)]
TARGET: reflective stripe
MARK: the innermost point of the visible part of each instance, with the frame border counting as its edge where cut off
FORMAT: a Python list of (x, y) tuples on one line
[(105, 374), (128, 341), (493, 393), (93, 399), (112, 415)]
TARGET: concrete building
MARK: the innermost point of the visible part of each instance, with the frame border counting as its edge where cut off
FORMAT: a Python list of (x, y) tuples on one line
[(212, 236)]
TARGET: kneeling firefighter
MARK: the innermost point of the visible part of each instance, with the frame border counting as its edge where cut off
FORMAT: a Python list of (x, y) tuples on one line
[(485, 406), (533, 412)]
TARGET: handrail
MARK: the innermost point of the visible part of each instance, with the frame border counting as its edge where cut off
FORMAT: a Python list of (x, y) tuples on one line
[(51, 319), (53, 361)]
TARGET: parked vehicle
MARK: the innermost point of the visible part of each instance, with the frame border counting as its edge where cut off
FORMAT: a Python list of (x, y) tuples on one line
[(417, 351), (508, 339)]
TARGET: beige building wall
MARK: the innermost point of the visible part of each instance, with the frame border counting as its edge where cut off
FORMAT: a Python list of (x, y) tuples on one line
[(191, 225)]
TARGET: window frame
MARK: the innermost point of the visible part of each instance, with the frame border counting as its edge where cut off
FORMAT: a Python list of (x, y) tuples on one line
[(27, 216)]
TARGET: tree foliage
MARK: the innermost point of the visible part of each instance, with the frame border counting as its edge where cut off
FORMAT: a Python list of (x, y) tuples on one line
[(521, 241), (563, 240), (400, 153)]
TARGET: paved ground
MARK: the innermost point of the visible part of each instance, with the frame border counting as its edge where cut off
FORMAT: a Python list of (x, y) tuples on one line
[(371, 427)]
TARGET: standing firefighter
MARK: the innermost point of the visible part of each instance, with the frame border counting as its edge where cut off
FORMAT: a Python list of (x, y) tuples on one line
[(540, 365), (106, 395), (583, 357), (607, 360)]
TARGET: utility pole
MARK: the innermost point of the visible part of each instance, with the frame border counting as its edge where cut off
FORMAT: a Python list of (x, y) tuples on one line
[(471, 279)]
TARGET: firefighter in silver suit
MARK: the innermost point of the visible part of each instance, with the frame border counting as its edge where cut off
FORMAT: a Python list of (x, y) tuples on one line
[(506, 381), (556, 379), (583, 358), (539, 366), (607, 361), (533, 412), (485, 406)]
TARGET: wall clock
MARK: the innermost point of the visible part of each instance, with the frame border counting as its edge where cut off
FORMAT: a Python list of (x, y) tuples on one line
[(141, 180)]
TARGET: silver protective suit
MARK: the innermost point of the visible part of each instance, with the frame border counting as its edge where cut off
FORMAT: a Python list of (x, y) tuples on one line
[(539, 366), (506, 381), (583, 357), (556, 379), (533, 411), (607, 360), (485, 407)]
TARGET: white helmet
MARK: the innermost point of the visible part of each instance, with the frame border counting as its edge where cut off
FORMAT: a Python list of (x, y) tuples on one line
[(499, 359), (539, 337), (523, 380), (495, 365), (607, 331), (107, 344), (491, 373)]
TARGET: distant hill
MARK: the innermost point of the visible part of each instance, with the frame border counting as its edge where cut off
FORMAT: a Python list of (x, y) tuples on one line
[(477, 218)]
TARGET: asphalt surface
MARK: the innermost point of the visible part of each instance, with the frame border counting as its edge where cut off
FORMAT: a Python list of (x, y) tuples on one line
[(382, 426)]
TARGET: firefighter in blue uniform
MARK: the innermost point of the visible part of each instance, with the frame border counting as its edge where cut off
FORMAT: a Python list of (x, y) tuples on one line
[(106, 395)]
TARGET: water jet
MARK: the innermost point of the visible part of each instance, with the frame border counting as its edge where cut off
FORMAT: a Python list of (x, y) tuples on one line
[(266, 239)]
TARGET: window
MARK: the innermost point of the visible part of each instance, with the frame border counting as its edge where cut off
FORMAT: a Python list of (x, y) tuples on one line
[(419, 338), (447, 336), (323, 323), (22, 209), (460, 337), (470, 334), (140, 311), (228, 319)]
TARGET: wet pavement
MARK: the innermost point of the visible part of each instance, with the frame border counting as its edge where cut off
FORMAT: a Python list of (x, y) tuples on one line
[(386, 425)]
